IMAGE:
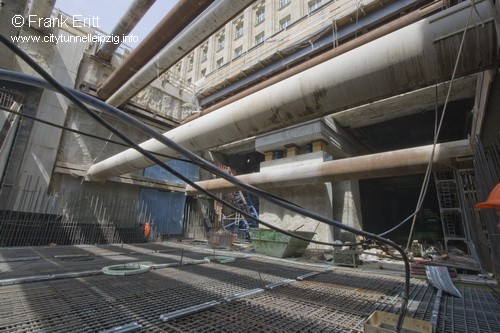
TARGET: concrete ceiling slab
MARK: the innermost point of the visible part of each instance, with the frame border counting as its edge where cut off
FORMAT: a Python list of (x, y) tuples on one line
[(406, 104)]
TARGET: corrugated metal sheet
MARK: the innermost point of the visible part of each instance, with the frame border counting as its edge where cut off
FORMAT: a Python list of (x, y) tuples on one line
[(166, 209), (439, 277)]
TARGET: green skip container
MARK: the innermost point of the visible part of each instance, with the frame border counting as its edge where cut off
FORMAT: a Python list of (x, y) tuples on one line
[(276, 244)]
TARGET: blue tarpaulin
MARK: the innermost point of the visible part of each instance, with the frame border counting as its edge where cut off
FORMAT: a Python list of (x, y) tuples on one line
[(187, 169)]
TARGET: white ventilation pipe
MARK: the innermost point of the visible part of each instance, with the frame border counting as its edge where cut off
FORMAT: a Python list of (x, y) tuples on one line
[(413, 57), (389, 164), (200, 29)]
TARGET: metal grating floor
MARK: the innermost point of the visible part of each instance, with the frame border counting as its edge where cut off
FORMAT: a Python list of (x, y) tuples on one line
[(336, 301)]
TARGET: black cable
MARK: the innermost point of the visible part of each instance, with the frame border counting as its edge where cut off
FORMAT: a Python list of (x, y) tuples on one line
[(69, 129), (103, 107), (208, 166), (40, 83), (150, 156), (4, 75)]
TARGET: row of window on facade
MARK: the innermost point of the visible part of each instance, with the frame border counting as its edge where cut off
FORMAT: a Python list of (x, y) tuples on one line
[(259, 38), (260, 15)]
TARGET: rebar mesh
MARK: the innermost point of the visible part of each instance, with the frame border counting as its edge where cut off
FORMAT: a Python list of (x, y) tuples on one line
[(339, 300)]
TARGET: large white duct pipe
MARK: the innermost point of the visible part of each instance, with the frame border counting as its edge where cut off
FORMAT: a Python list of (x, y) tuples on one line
[(413, 57), (390, 164), (127, 23), (200, 29)]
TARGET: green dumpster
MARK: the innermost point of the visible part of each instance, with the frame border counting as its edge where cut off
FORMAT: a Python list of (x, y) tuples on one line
[(276, 244)]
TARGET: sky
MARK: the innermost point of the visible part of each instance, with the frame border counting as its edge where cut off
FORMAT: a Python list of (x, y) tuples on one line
[(110, 12)]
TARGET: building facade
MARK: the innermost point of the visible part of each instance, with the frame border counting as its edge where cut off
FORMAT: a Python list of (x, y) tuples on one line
[(263, 31)]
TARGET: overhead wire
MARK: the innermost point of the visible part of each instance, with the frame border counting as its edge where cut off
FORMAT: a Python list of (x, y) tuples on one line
[(22, 78), (73, 130), (69, 129), (425, 181), (247, 215), (437, 130)]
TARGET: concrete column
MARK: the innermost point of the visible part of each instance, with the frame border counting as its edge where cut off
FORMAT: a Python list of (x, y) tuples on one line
[(292, 150), (228, 48), (268, 155), (8, 9), (346, 208), (196, 64), (319, 145), (211, 55), (316, 198)]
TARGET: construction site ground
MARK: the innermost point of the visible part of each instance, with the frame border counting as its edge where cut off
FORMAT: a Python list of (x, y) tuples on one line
[(62, 289)]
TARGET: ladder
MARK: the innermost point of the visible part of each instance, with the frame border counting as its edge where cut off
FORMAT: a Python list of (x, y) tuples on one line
[(452, 218)]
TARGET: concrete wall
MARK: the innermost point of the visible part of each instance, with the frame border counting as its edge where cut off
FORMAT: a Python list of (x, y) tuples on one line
[(346, 208), (8, 9), (157, 101), (161, 97), (40, 148), (339, 201), (61, 61), (316, 198), (82, 150)]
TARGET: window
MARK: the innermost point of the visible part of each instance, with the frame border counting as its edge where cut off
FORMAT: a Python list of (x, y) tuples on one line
[(313, 5), (284, 3), (238, 51), (190, 63), (259, 39), (203, 72), (204, 53), (260, 15), (220, 62), (239, 30), (220, 43), (285, 22)]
